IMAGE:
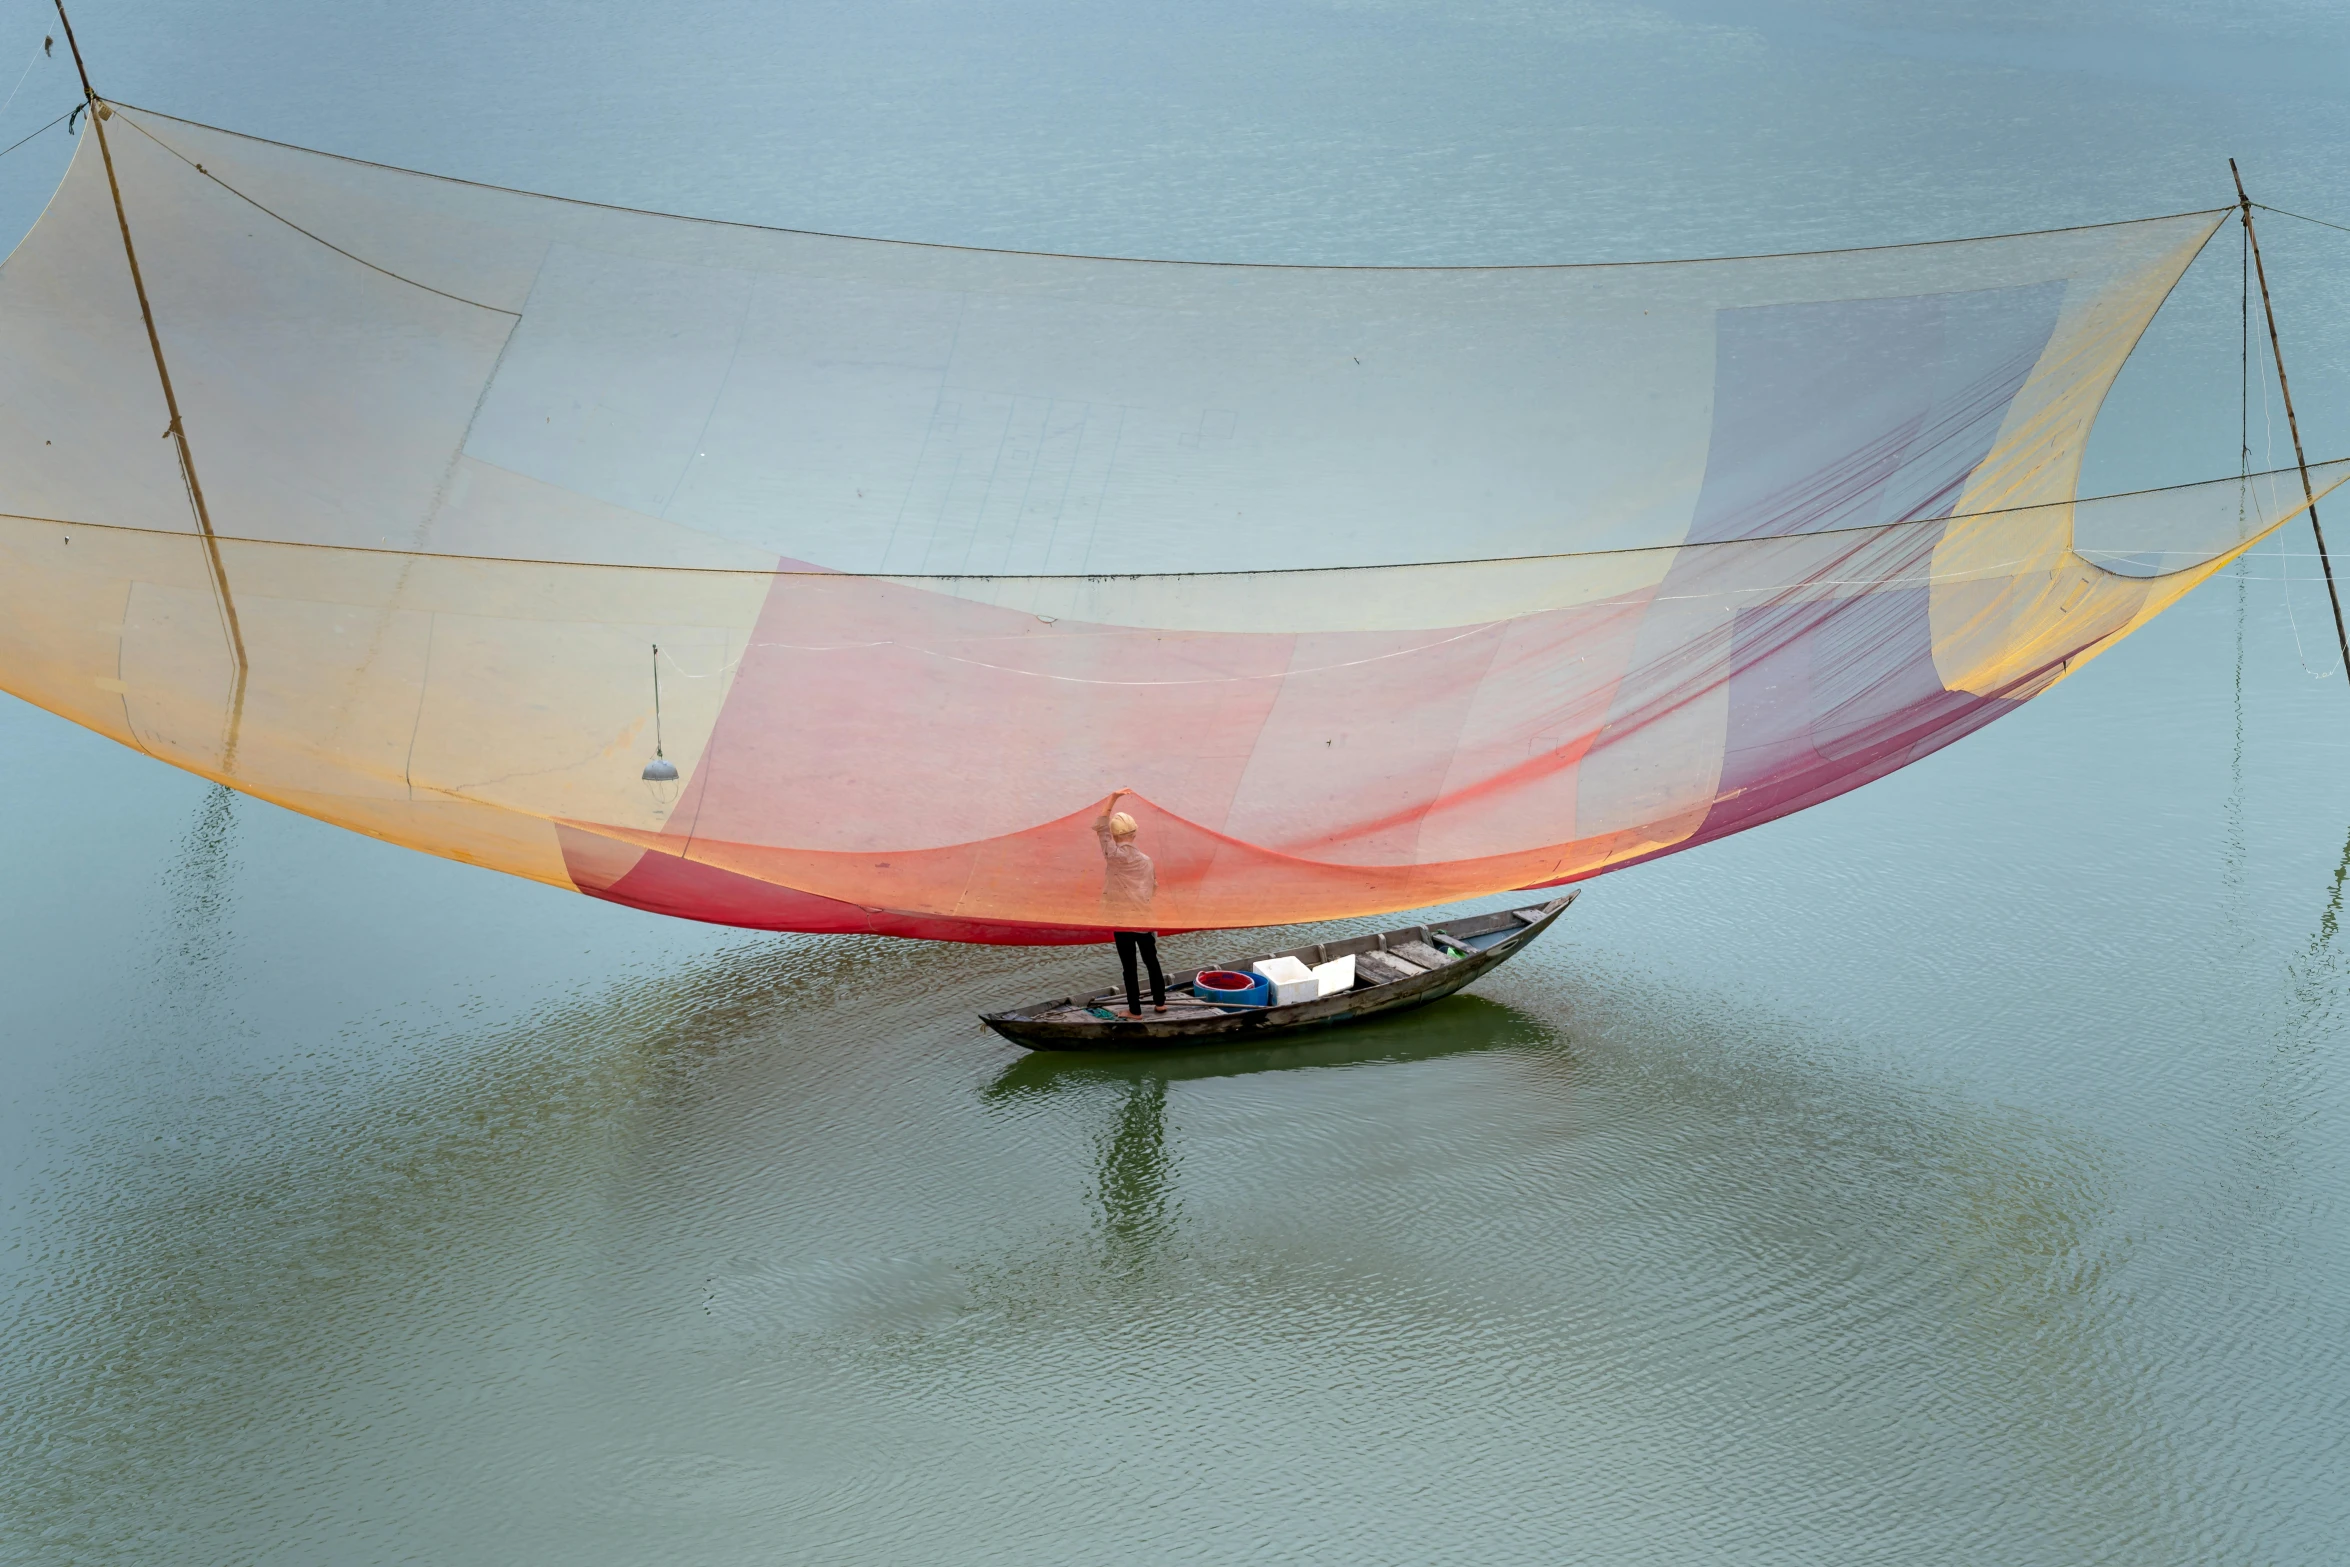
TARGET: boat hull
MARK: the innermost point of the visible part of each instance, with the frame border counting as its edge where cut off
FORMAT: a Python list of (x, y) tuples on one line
[(1066, 1024)]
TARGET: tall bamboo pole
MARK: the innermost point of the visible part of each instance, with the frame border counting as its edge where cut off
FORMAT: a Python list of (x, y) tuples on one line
[(99, 114), (2308, 494)]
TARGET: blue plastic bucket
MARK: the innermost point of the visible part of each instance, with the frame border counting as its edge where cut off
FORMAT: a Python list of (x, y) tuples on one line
[(1232, 985)]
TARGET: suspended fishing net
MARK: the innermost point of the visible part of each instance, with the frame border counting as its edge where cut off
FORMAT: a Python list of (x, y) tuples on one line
[(1380, 587)]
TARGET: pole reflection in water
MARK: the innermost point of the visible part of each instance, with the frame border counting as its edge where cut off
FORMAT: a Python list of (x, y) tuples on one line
[(2329, 922), (198, 905)]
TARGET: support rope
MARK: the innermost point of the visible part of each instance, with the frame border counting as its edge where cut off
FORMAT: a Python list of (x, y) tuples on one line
[(2303, 216), (52, 125)]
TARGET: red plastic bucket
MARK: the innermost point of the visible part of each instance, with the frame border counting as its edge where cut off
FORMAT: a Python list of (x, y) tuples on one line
[(1218, 984)]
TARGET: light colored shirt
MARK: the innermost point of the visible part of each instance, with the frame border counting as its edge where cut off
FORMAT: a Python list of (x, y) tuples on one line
[(1129, 880)]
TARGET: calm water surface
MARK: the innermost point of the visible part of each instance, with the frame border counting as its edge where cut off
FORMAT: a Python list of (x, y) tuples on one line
[(1952, 1174)]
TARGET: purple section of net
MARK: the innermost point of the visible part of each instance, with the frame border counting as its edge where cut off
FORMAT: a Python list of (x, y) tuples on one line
[(1847, 414), (1850, 412), (1825, 697)]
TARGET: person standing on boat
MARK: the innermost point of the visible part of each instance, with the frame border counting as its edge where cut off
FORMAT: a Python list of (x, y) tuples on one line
[(1129, 882)]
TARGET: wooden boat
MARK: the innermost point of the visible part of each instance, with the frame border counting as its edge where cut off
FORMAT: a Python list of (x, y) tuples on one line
[(1393, 970)]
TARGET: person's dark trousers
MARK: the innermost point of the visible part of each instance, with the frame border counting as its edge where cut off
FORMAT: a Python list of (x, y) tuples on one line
[(1145, 942)]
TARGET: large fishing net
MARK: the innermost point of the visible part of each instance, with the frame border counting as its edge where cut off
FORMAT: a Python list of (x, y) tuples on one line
[(1380, 587)]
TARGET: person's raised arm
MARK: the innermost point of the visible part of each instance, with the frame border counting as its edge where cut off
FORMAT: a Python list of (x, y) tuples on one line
[(1101, 823)]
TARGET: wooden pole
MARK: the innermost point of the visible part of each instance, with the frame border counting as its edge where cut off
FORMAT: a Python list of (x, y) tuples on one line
[(2308, 494), (99, 114)]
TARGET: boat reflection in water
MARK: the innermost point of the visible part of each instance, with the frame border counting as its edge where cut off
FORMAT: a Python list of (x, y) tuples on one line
[(1136, 1166)]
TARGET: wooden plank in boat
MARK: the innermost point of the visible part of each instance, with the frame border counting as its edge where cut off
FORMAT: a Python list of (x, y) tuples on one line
[(1418, 953), (1084, 1018), (1483, 925), (1384, 968)]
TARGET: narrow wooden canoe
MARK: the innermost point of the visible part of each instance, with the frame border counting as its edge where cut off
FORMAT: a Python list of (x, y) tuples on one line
[(1393, 969)]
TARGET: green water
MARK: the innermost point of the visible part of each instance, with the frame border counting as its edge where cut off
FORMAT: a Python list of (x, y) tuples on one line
[(1954, 1173)]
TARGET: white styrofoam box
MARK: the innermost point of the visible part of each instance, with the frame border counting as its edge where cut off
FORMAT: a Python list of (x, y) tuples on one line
[(1292, 980), (1334, 976)]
